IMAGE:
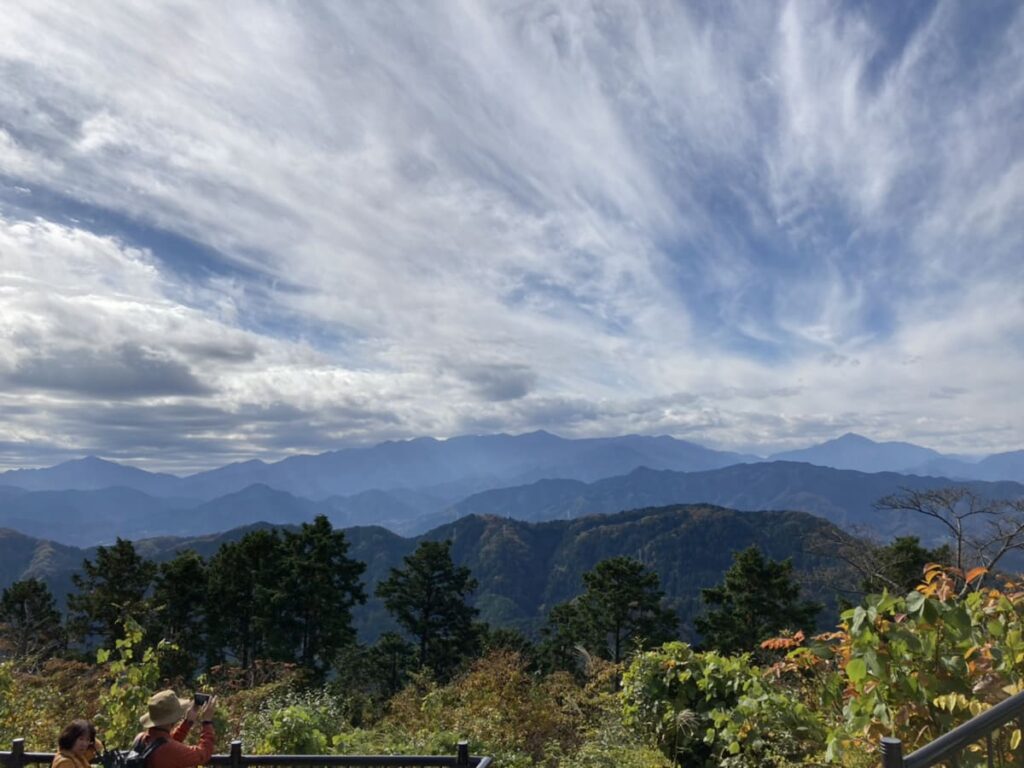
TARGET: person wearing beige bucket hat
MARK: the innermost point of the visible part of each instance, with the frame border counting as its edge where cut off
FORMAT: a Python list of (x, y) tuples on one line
[(165, 710)]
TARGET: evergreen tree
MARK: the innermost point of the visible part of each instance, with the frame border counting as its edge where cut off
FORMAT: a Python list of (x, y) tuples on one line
[(388, 663), (109, 589), (619, 612), (563, 636), (30, 627), (319, 588), (243, 611), (179, 612), (899, 566), (757, 600), (428, 598)]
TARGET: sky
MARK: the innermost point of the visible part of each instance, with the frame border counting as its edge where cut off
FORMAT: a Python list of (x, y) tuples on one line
[(252, 229)]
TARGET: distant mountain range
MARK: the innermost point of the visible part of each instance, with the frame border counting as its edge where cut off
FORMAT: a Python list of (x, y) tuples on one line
[(427, 474), (443, 470), (855, 452), (410, 487), (843, 497), (523, 568)]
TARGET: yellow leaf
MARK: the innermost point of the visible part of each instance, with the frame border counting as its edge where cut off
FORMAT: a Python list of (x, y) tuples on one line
[(1015, 738)]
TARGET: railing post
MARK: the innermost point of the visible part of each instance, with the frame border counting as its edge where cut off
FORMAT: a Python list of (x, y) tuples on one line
[(462, 757), (892, 752), (17, 758), (236, 754)]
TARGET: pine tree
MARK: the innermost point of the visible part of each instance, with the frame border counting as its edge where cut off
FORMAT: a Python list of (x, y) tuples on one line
[(30, 627), (758, 599), (109, 589), (428, 599), (243, 610), (179, 612), (319, 588), (619, 612)]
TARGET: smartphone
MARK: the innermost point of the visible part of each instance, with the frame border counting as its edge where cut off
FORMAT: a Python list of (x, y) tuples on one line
[(201, 698)]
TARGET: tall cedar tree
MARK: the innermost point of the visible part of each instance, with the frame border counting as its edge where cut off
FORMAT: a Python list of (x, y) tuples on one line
[(320, 586), (179, 613), (109, 588), (428, 598), (619, 612), (30, 625), (242, 606), (757, 600)]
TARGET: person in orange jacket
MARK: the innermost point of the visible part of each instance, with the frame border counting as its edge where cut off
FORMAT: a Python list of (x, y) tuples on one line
[(163, 711)]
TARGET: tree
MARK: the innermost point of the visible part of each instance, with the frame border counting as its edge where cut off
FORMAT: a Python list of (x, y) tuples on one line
[(319, 588), (109, 589), (619, 612), (899, 566), (30, 627), (982, 531), (243, 612), (179, 612), (758, 599), (388, 663), (428, 598)]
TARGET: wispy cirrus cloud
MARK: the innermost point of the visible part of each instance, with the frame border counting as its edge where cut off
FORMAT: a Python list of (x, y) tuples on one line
[(743, 225)]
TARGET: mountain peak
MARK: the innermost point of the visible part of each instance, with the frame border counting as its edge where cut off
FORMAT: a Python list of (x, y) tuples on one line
[(853, 438)]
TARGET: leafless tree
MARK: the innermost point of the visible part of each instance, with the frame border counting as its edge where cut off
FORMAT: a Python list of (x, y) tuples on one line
[(982, 531)]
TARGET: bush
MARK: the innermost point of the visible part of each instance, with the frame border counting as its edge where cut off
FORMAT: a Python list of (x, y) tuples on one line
[(293, 722), (706, 709)]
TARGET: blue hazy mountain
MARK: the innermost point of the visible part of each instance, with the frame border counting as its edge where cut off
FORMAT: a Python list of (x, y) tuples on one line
[(83, 518), (843, 497), (87, 518), (446, 469), (853, 451), (1000, 465), (91, 474)]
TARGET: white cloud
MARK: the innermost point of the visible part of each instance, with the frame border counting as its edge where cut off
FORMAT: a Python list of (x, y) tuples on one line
[(590, 219)]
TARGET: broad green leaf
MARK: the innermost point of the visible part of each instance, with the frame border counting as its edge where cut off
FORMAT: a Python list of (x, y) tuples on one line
[(857, 670), (859, 614), (915, 602)]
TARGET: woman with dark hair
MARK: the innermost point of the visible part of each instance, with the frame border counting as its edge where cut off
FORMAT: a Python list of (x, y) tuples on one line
[(77, 745)]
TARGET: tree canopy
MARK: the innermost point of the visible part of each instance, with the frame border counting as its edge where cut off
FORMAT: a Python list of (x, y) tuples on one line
[(428, 597), (758, 599)]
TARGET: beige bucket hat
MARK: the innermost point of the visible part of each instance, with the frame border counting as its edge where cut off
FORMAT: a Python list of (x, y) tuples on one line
[(164, 708)]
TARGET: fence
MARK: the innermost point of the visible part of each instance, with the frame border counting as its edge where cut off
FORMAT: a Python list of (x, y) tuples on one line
[(949, 747), (19, 758)]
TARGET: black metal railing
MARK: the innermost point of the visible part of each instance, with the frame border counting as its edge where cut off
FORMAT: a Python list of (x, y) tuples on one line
[(948, 748), (19, 758)]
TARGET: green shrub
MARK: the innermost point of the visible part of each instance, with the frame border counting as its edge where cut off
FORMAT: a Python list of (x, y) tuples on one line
[(299, 722), (709, 710)]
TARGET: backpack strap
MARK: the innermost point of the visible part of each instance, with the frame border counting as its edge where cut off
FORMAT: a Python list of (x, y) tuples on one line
[(152, 747)]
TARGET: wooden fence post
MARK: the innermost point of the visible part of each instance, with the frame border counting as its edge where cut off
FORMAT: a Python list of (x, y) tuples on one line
[(892, 752), (462, 756)]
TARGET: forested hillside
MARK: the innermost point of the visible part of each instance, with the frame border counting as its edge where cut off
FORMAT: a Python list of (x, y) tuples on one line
[(522, 568)]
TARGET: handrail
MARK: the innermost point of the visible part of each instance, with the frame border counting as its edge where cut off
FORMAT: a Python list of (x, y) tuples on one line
[(949, 744), (18, 758)]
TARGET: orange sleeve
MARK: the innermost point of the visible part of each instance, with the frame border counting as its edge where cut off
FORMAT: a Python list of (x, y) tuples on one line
[(182, 730)]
